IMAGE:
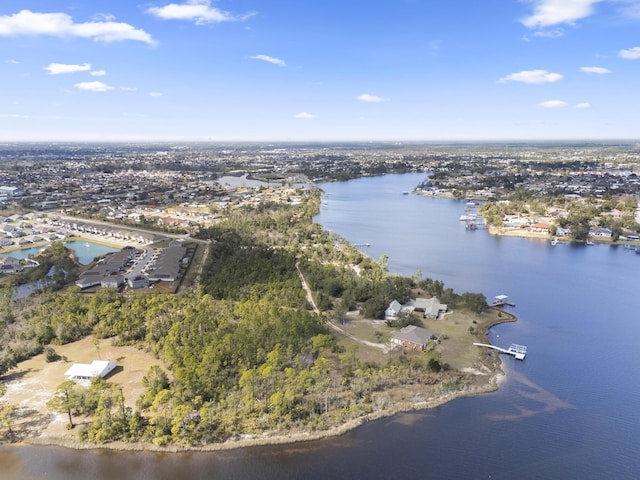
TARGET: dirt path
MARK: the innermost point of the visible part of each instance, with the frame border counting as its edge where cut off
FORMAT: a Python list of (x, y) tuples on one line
[(332, 325)]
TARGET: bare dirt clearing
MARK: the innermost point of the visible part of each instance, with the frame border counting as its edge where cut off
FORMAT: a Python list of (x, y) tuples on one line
[(33, 382)]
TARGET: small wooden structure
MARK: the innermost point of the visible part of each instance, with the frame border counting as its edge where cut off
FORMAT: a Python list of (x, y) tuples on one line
[(500, 300)]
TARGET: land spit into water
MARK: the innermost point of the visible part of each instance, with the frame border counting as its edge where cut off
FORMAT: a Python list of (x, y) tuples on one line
[(32, 383), (268, 439)]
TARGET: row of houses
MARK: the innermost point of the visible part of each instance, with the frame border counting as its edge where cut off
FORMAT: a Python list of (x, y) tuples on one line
[(104, 230), (111, 272), (167, 263)]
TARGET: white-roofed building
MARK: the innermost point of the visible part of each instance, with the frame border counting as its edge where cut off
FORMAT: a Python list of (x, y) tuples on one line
[(87, 371)]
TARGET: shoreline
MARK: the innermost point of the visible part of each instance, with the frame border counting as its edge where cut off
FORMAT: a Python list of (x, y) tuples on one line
[(495, 380), (495, 377)]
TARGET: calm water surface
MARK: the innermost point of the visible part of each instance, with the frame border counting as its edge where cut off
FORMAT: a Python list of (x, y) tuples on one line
[(85, 251), (570, 410)]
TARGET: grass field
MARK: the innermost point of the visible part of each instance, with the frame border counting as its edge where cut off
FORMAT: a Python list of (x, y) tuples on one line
[(34, 381)]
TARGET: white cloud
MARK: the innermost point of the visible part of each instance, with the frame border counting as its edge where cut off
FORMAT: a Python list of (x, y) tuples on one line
[(15, 115), (103, 17), (553, 104), (27, 22), (583, 105), (60, 68), (97, 73), (630, 53), (555, 33), (532, 76), (93, 86), (630, 9), (365, 97), (155, 94), (200, 11), (129, 89), (598, 70), (555, 12), (267, 58), (12, 61), (305, 116)]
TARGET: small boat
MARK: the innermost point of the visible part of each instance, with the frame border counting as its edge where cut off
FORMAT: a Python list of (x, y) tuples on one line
[(554, 241), (590, 243)]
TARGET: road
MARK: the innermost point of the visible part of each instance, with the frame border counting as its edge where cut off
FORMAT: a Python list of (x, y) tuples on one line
[(332, 325)]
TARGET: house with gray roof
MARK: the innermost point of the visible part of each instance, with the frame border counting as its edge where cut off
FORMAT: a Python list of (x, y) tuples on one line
[(392, 310), (431, 307), (412, 337)]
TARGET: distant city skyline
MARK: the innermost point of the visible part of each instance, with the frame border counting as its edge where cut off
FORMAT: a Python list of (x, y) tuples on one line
[(392, 70)]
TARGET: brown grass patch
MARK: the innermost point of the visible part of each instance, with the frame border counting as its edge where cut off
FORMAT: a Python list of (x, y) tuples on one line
[(33, 382)]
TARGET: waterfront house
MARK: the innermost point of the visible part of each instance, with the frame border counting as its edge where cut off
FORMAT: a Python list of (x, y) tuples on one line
[(433, 308), (540, 227), (413, 337), (392, 310)]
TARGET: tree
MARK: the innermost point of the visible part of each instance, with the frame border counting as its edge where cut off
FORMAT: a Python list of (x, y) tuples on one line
[(6, 414), (65, 398), (579, 225), (476, 302)]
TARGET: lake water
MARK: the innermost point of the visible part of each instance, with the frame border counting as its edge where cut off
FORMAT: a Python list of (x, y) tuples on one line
[(85, 251), (570, 410)]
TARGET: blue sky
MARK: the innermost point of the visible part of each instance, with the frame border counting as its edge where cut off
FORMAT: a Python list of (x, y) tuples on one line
[(319, 70)]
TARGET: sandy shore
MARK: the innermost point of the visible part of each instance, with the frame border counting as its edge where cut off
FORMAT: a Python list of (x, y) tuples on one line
[(492, 384)]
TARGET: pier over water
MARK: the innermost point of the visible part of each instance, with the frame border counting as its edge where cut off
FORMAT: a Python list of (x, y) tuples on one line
[(518, 351)]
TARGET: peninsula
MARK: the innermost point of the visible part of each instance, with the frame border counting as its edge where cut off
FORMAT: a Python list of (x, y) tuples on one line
[(274, 331)]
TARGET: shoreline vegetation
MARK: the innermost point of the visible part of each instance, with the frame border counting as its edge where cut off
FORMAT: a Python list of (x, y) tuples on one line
[(492, 385), (492, 378), (343, 387)]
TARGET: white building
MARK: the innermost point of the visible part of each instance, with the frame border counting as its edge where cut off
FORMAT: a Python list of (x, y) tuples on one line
[(87, 371)]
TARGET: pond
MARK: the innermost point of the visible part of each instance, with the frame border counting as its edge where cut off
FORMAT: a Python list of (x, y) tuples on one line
[(84, 250)]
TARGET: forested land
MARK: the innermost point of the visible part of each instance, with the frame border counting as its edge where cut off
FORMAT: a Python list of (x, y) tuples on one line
[(245, 353)]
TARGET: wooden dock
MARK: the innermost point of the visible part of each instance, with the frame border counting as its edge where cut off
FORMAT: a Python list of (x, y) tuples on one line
[(501, 304), (518, 351), (501, 300)]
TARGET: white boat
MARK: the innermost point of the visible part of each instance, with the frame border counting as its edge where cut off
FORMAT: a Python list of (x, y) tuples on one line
[(554, 241)]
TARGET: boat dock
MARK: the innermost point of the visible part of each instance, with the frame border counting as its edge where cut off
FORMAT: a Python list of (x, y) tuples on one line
[(501, 300), (518, 351)]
